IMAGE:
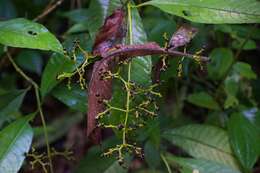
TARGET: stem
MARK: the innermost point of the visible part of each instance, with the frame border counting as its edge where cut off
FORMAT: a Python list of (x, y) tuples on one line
[(166, 163), (36, 89), (128, 75)]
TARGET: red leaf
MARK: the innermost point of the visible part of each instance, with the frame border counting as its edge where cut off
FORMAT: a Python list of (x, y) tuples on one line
[(110, 33)]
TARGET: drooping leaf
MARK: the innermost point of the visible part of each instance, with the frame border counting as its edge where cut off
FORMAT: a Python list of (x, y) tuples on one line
[(245, 140), (15, 142), (152, 155), (10, 103), (202, 166), (221, 60), (75, 98), (211, 11), (27, 34), (203, 142), (56, 65), (204, 100)]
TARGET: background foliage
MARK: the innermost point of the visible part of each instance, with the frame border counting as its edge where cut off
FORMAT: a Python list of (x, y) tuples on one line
[(208, 120)]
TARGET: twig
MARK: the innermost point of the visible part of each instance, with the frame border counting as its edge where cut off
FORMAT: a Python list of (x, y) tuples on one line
[(36, 89), (166, 163), (48, 10)]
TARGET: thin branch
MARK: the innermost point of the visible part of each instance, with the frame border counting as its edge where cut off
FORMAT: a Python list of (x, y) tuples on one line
[(38, 100), (51, 7)]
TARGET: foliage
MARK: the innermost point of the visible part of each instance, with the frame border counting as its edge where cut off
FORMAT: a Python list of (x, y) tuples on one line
[(108, 72)]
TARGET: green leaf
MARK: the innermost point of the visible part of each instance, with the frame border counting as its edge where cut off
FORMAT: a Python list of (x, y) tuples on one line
[(204, 100), (75, 98), (10, 103), (27, 34), (245, 140), (152, 155), (221, 60), (211, 11), (231, 89), (249, 45), (245, 70), (94, 163), (203, 166), (15, 142), (203, 142), (57, 64), (142, 66)]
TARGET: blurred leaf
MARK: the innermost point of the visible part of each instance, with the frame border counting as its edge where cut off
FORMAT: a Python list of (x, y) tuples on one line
[(57, 128), (250, 44), (211, 11), (15, 142), (221, 60), (77, 15), (231, 89), (203, 166), (57, 64), (244, 70), (10, 103), (116, 168), (30, 60), (75, 98), (27, 34), (152, 155), (203, 142), (204, 100), (141, 66), (94, 163), (245, 140)]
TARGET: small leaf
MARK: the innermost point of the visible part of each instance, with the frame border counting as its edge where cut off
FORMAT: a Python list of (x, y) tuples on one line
[(142, 66), (10, 103), (245, 140), (204, 100), (27, 34), (203, 166), (152, 156), (203, 142), (211, 11), (75, 98), (245, 70), (221, 60), (15, 142), (56, 65)]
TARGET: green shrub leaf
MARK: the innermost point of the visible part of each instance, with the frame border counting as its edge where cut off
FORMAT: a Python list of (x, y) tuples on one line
[(203, 142), (212, 11), (15, 142), (27, 34), (245, 140), (203, 166)]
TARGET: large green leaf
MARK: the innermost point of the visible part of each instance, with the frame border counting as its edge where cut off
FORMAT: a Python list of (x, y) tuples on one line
[(141, 66), (27, 34), (15, 142), (203, 166), (203, 142), (245, 140), (75, 98), (204, 100), (212, 11), (244, 70), (57, 64), (10, 103)]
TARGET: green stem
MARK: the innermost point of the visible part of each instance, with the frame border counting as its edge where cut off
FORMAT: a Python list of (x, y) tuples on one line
[(36, 89), (166, 163), (128, 94)]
